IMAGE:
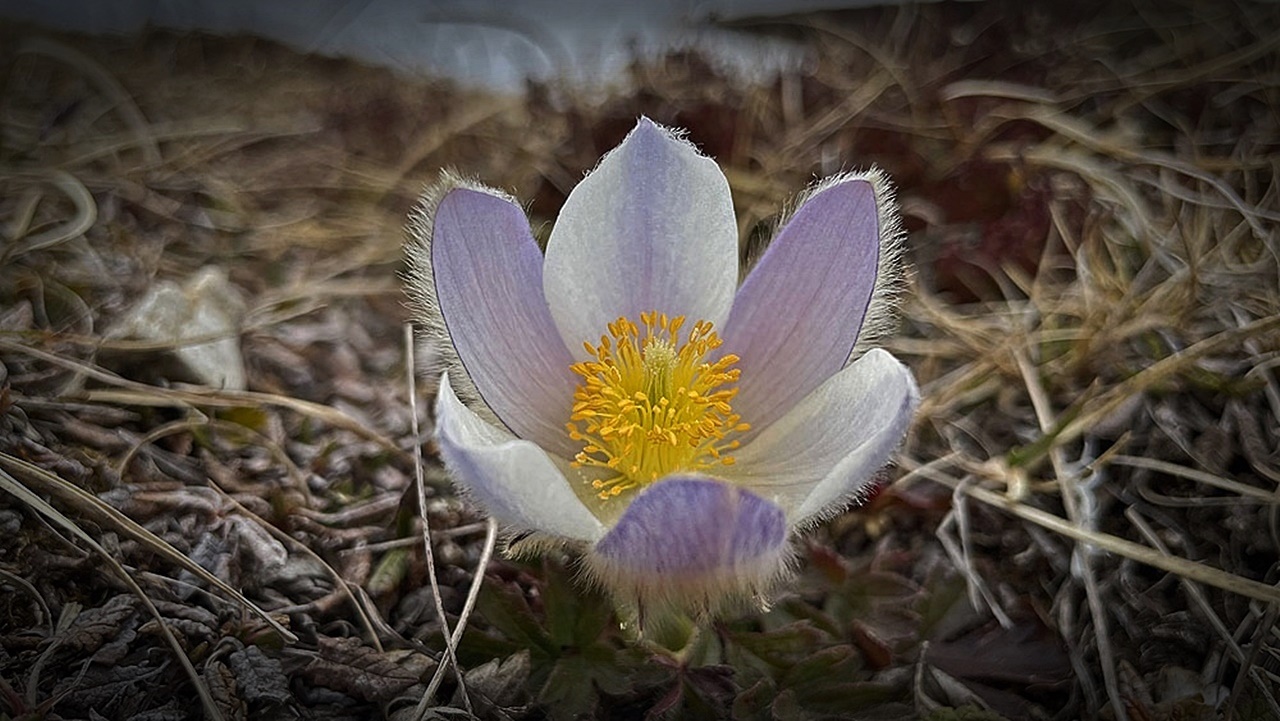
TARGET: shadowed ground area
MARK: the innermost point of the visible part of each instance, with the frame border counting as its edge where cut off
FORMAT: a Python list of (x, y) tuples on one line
[(1081, 524)]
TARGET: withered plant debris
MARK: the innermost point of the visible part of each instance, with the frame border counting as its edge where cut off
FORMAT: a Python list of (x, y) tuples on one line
[(1081, 525)]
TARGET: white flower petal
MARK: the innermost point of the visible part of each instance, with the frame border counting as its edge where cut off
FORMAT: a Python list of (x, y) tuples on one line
[(822, 453), (487, 272), (796, 317), (651, 228), (515, 480)]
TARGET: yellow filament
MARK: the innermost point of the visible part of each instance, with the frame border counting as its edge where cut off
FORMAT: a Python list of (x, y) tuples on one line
[(647, 407)]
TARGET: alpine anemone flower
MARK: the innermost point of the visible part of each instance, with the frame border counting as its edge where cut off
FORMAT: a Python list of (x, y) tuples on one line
[(632, 392)]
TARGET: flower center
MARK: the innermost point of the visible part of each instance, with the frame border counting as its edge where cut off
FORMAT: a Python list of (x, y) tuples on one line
[(648, 407)]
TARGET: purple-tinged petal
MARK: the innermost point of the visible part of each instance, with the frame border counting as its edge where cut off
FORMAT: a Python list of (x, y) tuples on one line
[(488, 282), (797, 316), (651, 228), (515, 480), (692, 541), (826, 450)]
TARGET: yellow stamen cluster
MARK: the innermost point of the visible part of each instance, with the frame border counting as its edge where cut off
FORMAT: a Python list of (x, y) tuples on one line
[(647, 407)]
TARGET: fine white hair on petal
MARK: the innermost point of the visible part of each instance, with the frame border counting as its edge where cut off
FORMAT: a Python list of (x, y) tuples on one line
[(797, 316), (817, 459), (487, 269), (692, 543), (890, 274), (436, 353), (651, 228), (514, 480)]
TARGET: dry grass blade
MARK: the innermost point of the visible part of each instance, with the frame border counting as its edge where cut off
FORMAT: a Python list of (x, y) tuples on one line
[(1193, 590), (1250, 663), (450, 643), (1105, 404), (1082, 512), (134, 393), (35, 503), (106, 83), (86, 214), (473, 592), (205, 423), (90, 504), (1091, 196), (358, 601), (1208, 479), (1077, 131), (1103, 541)]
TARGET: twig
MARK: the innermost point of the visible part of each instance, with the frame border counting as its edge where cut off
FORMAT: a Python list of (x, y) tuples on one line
[(490, 540), (1249, 667), (979, 594)]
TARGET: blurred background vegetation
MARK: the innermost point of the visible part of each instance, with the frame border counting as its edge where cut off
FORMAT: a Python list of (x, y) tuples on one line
[(1082, 523)]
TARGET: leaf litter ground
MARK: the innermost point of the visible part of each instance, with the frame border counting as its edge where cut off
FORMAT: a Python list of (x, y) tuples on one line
[(1082, 523)]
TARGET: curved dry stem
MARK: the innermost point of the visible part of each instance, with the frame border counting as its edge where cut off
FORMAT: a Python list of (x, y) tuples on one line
[(39, 505), (450, 644), (90, 504), (105, 82), (86, 214), (1183, 567), (135, 393)]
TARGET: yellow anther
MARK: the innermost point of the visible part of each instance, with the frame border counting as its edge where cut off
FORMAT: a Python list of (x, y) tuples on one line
[(650, 406)]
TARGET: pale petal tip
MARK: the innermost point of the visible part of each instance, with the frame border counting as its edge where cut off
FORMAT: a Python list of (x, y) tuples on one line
[(652, 227), (694, 544), (645, 127), (890, 282), (655, 141)]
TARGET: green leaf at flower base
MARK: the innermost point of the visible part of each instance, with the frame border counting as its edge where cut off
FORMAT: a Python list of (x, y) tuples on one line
[(868, 592), (756, 703), (821, 667), (772, 652), (708, 692), (512, 627), (808, 683), (861, 700), (576, 654), (945, 595), (576, 616), (576, 681), (800, 610)]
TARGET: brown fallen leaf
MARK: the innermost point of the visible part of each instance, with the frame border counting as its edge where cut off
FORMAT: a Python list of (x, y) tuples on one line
[(347, 665)]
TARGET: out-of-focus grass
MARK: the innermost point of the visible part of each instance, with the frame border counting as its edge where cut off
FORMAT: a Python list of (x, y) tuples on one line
[(1093, 318)]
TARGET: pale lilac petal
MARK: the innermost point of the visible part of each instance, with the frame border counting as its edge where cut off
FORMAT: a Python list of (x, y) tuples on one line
[(488, 281), (651, 228), (827, 449), (796, 317), (691, 540), (514, 480)]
